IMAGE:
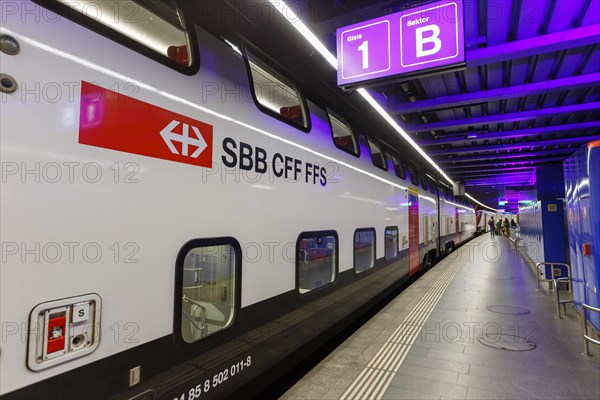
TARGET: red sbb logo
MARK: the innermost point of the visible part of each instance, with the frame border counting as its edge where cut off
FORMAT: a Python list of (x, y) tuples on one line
[(117, 122)]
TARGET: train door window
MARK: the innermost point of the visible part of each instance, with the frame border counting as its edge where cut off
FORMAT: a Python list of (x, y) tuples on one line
[(426, 228), (207, 286), (276, 95), (316, 262), (155, 28), (364, 249), (398, 167), (391, 243), (377, 155), (343, 137)]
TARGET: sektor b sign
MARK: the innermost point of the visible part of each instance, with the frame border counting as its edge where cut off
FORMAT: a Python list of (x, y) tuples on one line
[(425, 38)]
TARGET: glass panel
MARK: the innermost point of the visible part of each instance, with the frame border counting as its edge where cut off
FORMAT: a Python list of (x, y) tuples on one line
[(364, 250), (391, 243), (424, 182), (414, 178), (398, 167), (316, 262), (432, 186), (276, 94), (156, 26), (377, 155), (207, 305), (342, 135)]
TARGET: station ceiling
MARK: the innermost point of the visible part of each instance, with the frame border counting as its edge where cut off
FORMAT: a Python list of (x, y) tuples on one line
[(529, 95)]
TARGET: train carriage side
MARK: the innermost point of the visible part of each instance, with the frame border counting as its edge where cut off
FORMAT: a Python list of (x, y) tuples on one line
[(428, 221), (467, 222), (215, 234), (484, 217), (447, 225), (457, 222)]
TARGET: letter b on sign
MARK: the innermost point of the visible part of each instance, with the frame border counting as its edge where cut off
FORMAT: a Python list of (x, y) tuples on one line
[(424, 37), (431, 37)]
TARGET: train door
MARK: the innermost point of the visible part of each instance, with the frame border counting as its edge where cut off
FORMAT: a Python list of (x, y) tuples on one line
[(457, 225), (435, 226), (413, 231), (439, 224)]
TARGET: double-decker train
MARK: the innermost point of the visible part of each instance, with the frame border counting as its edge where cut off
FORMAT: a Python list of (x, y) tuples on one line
[(178, 220)]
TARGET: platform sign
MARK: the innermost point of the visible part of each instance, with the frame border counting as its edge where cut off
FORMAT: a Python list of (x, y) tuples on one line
[(423, 38)]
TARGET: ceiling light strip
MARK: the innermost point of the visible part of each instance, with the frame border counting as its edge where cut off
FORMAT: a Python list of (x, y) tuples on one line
[(289, 14), (478, 202)]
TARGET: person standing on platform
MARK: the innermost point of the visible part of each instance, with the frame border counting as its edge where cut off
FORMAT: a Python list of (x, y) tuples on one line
[(506, 227), (492, 227), (499, 227)]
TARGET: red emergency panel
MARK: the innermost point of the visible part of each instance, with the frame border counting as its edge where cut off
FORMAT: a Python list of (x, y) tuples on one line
[(56, 333)]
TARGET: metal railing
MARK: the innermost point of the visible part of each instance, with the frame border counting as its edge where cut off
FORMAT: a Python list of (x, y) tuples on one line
[(551, 280), (560, 302), (515, 235), (194, 319), (584, 329)]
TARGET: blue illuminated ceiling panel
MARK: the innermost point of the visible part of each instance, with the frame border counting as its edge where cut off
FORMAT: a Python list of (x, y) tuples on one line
[(530, 94)]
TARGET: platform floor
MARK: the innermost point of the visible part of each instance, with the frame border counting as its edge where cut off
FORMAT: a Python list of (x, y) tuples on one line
[(425, 344)]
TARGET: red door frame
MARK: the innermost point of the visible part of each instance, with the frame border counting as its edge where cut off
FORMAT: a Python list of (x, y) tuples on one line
[(413, 232), (457, 226)]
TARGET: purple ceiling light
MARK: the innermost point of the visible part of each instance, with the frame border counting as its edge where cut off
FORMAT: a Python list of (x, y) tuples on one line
[(504, 156), (514, 134), (509, 117), (519, 146), (510, 162), (563, 40), (466, 99)]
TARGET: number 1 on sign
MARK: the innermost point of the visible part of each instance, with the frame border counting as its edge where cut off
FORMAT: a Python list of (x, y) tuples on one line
[(364, 49)]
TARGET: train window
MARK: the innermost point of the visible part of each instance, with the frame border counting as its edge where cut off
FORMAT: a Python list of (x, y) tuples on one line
[(275, 95), (414, 178), (377, 155), (398, 167), (364, 249), (156, 26), (207, 287), (424, 182), (391, 243), (316, 262), (431, 185), (343, 137)]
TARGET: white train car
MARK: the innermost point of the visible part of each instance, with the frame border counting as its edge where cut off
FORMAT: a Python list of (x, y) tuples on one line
[(457, 222), (158, 242), (483, 219)]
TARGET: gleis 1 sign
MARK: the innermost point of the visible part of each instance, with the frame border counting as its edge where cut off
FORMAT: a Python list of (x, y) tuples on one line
[(427, 37)]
